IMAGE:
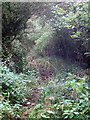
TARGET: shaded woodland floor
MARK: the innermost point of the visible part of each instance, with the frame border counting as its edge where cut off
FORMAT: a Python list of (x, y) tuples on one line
[(45, 68), (52, 88), (47, 77)]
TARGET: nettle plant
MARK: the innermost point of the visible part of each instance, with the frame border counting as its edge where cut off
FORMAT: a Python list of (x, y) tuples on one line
[(78, 105), (74, 104), (8, 110), (15, 86), (11, 94), (71, 16), (12, 86), (78, 85), (15, 89)]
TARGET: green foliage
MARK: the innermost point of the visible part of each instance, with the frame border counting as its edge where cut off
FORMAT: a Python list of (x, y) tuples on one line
[(63, 95), (76, 109), (14, 18), (12, 86), (79, 107), (39, 37), (43, 41), (8, 111), (66, 98), (15, 89), (87, 53), (71, 15), (73, 18)]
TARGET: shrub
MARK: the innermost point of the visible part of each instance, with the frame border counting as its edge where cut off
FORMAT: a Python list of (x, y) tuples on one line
[(12, 86), (15, 89), (63, 98), (8, 110), (78, 105)]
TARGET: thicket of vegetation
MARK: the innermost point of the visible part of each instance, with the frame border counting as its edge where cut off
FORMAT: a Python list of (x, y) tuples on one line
[(45, 68)]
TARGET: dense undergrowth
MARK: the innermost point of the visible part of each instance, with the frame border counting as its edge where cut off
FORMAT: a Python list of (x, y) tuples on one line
[(64, 95), (46, 61)]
